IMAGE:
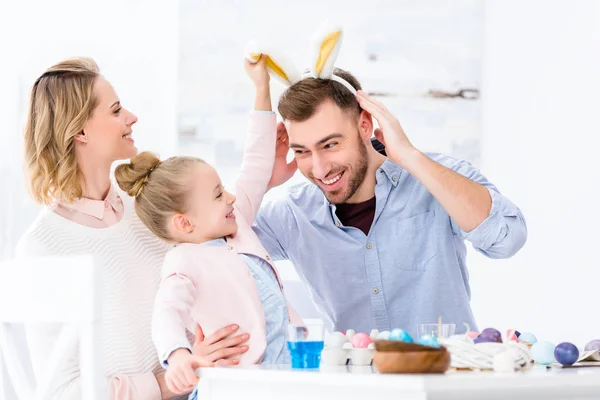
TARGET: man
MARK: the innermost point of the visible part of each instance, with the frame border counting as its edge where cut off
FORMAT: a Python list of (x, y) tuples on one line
[(379, 241)]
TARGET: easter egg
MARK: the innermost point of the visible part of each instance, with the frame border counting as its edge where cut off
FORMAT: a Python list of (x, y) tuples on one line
[(593, 345), (511, 335), (566, 353), (428, 340), (350, 333), (401, 334), (335, 340), (383, 335), (374, 333), (489, 335), (360, 340), (527, 338), (472, 334), (543, 352)]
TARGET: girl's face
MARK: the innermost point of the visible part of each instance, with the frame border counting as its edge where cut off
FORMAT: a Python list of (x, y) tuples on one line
[(210, 212)]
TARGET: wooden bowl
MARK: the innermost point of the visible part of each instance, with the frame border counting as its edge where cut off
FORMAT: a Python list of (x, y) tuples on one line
[(409, 358)]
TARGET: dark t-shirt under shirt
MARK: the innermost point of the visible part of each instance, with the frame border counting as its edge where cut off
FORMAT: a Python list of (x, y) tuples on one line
[(359, 215)]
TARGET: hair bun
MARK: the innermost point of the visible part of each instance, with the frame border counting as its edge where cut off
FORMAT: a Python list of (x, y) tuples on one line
[(132, 177)]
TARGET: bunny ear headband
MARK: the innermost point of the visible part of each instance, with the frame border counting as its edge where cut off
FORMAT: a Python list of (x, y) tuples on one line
[(324, 49)]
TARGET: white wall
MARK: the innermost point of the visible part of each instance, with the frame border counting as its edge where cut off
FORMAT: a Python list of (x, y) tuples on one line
[(136, 44), (541, 86)]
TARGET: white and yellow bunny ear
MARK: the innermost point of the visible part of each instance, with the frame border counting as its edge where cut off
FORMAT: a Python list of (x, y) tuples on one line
[(279, 66), (324, 49)]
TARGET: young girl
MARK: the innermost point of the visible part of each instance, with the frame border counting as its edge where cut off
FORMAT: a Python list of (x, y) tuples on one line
[(218, 272)]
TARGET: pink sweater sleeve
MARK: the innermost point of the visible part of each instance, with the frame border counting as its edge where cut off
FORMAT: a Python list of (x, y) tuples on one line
[(257, 164), (130, 387), (172, 311)]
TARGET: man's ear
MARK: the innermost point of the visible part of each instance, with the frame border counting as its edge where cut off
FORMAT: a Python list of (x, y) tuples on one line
[(365, 125)]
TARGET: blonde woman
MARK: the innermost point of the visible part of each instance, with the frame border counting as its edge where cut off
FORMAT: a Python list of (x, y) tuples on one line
[(76, 129)]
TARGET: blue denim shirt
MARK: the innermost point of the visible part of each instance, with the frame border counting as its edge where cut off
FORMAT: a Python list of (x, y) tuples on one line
[(410, 268)]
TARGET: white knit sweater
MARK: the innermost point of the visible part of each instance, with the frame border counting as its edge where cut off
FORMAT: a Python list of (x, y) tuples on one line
[(131, 258)]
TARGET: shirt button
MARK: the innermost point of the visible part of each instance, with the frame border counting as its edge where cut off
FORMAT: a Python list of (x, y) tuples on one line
[(337, 223), (106, 205), (369, 246), (229, 247), (268, 257), (394, 178), (375, 291)]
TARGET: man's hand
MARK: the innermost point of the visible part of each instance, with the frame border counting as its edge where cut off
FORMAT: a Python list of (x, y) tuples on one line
[(397, 146)]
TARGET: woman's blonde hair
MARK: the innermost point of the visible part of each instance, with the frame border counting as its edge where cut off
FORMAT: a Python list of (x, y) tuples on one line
[(160, 188), (61, 102)]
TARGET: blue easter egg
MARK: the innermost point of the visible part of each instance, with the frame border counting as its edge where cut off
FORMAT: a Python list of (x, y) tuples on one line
[(527, 337), (566, 353), (543, 352), (400, 334), (428, 340)]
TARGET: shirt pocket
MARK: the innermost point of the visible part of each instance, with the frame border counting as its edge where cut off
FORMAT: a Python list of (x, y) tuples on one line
[(414, 242)]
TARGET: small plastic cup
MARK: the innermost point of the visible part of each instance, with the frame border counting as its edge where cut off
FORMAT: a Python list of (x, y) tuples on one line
[(305, 343), (446, 331)]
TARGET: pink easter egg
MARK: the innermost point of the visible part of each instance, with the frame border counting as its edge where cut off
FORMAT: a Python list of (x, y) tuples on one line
[(361, 341), (472, 335), (511, 335)]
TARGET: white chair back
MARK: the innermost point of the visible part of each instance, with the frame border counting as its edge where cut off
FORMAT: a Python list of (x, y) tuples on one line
[(64, 290)]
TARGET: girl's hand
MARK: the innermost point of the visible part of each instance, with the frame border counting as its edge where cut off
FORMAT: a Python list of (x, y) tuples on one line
[(180, 377), (258, 72)]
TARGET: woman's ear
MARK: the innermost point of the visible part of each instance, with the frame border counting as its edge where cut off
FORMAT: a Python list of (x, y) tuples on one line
[(279, 65), (81, 137)]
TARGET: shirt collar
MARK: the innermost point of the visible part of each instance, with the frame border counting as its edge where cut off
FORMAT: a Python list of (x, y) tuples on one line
[(94, 208), (391, 171)]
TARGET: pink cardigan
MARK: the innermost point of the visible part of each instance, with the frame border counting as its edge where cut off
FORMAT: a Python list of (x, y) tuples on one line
[(213, 286)]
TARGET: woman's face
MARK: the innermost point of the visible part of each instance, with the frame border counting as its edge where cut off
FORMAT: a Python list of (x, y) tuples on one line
[(107, 134)]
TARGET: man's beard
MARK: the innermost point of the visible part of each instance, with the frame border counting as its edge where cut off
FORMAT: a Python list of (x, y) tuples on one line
[(359, 171)]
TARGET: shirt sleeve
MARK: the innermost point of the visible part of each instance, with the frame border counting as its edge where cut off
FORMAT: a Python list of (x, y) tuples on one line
[(504, 232)]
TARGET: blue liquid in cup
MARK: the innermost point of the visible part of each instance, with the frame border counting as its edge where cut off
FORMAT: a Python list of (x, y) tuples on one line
[(305, 354)]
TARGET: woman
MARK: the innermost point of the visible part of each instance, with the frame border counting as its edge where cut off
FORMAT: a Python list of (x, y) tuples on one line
[(76, 129)]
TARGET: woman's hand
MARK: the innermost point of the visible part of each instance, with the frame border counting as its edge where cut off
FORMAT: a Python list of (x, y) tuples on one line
[(220, 347)]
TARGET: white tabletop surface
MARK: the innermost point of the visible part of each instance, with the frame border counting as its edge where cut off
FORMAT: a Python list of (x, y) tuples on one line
[(357, 382)]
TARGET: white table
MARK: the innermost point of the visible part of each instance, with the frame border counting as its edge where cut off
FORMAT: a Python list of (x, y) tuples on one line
[(348, 383)]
